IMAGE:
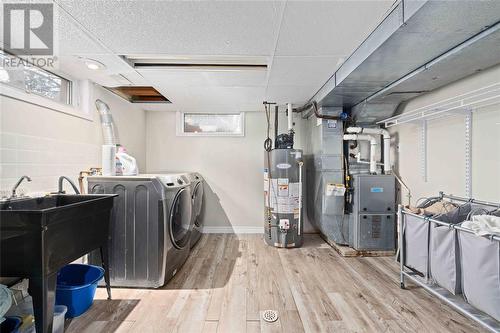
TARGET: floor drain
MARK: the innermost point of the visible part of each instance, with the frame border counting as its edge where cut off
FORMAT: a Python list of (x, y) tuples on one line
[(270, 316)]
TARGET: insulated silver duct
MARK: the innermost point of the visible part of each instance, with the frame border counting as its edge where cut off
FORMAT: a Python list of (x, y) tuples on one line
[(393, 65), (108, 127)]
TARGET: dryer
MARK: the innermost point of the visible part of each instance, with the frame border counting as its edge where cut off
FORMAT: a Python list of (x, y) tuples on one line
[(197, 197), (151, 227)]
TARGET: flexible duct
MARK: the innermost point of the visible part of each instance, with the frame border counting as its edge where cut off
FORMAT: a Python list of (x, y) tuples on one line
[(373, 147), (108, 127), (387, 143)]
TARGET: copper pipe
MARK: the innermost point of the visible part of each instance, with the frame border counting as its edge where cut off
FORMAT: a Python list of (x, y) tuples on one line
[(84, 173)]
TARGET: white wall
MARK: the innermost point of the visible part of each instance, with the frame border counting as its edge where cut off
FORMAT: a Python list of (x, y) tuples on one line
[(446, 141), (45, 144), (232, 166)]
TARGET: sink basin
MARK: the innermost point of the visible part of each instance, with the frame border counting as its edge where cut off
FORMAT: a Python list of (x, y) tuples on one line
[(43, 203), (41, 235)]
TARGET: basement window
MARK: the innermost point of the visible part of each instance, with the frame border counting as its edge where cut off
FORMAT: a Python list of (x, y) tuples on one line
[(20, 74), (210, 124)]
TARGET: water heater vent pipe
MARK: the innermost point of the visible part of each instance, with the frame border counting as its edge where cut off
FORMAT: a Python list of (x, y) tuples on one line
[(387, 142), (373, 147), (290, 120)]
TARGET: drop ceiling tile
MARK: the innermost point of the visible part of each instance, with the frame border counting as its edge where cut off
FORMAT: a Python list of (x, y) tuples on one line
[(177, 28), (72, 40), (136, 78), (69, 39), (248, 78), (289, 94), (214, 99), (196, 78), (303, 71), (328, 27)]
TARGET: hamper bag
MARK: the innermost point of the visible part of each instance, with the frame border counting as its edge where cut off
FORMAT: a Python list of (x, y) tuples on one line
[(416, 242), (444, 253), (445, 259), (480, 263), (416, 239)]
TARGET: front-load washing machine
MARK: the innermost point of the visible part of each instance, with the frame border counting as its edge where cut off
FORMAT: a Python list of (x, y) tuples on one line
[(197, 198), (150, 229)]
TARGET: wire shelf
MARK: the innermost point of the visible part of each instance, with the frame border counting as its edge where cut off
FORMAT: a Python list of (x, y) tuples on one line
[(460, 104)]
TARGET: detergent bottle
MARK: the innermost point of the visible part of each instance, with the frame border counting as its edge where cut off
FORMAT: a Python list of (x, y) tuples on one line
[(128, 163)]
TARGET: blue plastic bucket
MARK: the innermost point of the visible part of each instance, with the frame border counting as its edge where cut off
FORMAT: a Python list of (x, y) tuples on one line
[(76, 286), (11, 325)]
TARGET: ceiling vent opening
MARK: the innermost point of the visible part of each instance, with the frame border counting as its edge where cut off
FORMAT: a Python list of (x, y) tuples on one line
[(139, 94), (198, 63)]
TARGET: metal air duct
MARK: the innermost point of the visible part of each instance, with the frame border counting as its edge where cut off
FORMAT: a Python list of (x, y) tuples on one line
[(418, 47)]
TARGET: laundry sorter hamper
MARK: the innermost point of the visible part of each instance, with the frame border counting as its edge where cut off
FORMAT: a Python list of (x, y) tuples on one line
[(473, 267), (416, 243), (480, 265), (416, 240), (444, 254)]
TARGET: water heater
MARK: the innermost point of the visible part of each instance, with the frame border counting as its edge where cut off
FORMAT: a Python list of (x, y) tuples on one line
[(283, 197)]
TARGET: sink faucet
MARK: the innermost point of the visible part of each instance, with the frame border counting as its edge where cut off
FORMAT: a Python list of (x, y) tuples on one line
[(14, 189), (60, 187)]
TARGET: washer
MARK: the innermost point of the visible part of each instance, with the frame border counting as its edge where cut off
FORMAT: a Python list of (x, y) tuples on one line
[(150, 229), (197, 196)]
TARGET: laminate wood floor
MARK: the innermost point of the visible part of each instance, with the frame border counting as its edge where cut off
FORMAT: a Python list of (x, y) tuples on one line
[(230, 279)]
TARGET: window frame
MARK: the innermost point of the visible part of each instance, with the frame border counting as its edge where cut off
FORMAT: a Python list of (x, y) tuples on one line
[(77, 94), (180, 125)]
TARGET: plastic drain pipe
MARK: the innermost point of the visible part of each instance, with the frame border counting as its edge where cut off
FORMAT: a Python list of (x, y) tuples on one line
[(373, 147), (387, 143)]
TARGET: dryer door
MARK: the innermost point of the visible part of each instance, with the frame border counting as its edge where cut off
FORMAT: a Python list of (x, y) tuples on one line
[(197, 202), (180, 219)]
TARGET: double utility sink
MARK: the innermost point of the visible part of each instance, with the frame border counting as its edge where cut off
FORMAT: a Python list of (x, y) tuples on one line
[(38, 236)]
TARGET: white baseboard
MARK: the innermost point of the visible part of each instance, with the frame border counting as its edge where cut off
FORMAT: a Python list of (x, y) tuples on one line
[(233, 230)]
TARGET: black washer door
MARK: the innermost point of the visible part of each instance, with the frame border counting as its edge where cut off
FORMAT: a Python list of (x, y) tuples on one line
[(180, 219), (197, 202)]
